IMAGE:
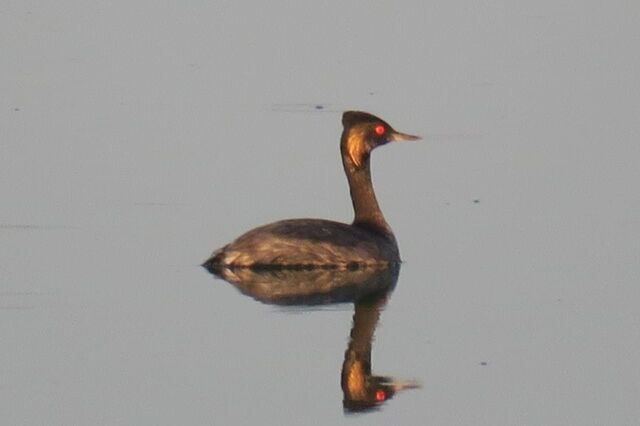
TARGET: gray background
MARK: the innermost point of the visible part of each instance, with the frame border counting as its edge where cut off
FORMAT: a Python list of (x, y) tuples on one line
[(136, 137)]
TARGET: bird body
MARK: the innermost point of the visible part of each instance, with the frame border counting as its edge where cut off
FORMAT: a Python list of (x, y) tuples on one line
[(308, 243)]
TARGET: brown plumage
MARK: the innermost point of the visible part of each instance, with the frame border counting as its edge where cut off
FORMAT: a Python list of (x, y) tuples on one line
[(308, 243)]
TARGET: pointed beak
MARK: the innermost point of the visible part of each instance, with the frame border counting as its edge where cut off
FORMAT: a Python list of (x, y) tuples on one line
[(398, 137)]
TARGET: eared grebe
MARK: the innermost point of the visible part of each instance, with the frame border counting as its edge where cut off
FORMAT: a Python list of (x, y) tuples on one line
[(310, 243)]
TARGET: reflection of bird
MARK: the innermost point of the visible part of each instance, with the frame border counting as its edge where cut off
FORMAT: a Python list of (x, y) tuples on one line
[(308, 243), (309, 287), (362, 390), (368, 288)]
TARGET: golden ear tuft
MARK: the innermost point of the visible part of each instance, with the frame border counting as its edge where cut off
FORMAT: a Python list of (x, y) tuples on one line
[(356, 147), (356, 382)]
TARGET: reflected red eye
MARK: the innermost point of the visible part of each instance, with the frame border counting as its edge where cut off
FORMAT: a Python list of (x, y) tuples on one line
[(379, 130), (380, 394)]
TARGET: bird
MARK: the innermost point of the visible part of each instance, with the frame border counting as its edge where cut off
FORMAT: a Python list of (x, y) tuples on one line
[(320, 243)]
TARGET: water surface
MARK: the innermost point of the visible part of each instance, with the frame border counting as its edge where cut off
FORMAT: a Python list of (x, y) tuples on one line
[(136, 138)]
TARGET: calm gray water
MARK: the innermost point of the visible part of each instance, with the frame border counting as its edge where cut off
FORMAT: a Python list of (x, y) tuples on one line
[(136, 138)]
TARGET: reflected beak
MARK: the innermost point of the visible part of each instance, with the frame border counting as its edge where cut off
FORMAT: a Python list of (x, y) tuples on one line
[(407, 384), (398, 137)]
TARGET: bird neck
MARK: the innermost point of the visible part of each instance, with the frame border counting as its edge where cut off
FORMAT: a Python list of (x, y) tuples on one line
[(365, 205)]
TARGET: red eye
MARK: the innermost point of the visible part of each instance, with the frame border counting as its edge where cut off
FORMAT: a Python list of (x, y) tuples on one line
[(379, 130), (380, 394)]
